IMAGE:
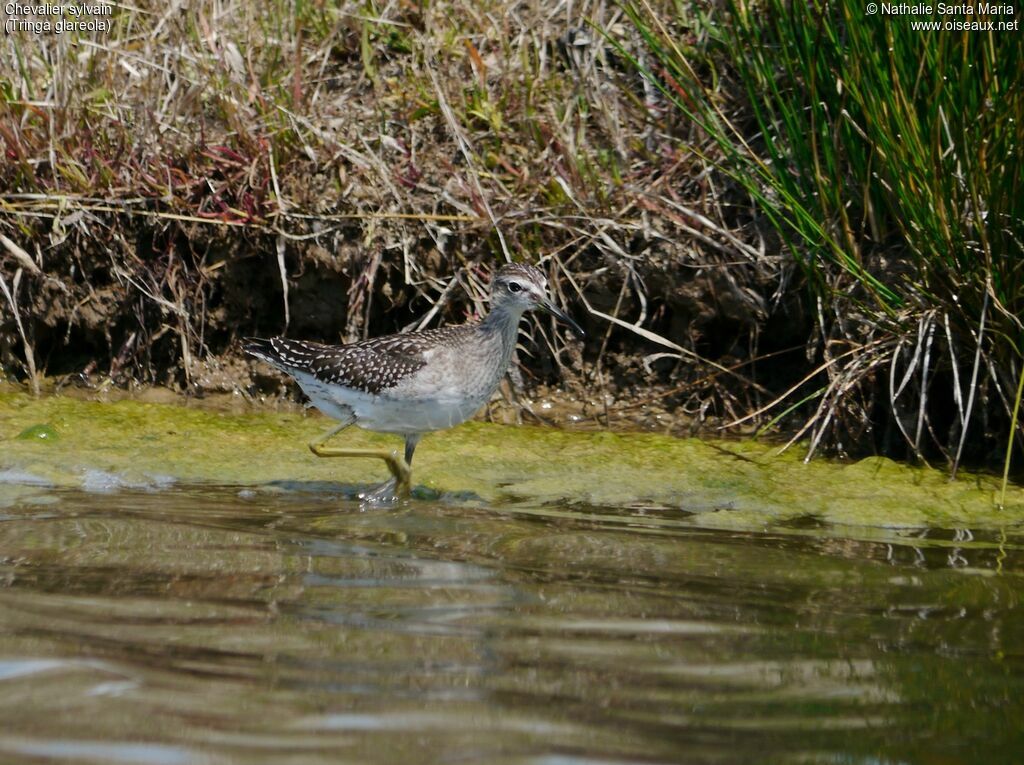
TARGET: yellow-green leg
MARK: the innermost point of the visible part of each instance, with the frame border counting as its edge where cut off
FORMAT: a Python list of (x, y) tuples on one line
[(398, 466)]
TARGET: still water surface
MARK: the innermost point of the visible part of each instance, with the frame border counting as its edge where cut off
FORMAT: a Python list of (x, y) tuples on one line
[(287, 625)]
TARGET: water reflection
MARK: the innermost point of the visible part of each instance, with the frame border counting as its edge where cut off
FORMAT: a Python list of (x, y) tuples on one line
[(289, 626)]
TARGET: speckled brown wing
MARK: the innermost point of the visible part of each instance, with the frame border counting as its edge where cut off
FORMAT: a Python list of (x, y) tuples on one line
[(370, 366)]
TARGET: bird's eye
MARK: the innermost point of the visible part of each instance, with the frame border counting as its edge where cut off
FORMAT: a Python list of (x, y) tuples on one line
[(515, 287)]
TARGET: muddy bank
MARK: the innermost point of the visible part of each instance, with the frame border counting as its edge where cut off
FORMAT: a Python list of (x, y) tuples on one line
[(173, 314), (699, 353)]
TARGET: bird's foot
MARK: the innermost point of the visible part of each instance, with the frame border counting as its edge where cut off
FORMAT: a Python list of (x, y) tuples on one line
[(385, 495), (393, 491)]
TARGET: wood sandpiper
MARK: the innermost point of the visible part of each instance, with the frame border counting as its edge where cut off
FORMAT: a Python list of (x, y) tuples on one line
[(416, 382)]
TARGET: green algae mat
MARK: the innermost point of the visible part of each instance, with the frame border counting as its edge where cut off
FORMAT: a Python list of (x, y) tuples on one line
[(61, 442)]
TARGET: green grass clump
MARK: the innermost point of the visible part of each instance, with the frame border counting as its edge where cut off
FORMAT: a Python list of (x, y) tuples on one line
[(887, 159)]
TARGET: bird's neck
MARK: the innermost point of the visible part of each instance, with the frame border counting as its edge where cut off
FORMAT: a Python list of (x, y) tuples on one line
[(502, 322)]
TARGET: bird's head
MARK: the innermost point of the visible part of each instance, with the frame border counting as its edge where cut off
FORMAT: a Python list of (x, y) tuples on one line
[(522, 287)]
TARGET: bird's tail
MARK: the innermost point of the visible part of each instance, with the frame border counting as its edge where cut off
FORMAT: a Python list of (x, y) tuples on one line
[(260, 348), (287, 355)]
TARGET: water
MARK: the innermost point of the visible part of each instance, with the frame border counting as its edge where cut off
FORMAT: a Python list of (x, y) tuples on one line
[(286, 625)]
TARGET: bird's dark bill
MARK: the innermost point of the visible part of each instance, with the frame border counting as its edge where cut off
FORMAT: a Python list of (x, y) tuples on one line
[(564, 318)]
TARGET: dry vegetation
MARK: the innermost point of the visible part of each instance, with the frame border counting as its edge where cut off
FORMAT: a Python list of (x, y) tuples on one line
[(210, 170), (332, 172)]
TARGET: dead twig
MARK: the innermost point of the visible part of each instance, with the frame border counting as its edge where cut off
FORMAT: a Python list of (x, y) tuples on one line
[(30, 359)]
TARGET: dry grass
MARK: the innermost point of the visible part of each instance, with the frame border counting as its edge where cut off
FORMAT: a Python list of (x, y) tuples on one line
[(204, 171)]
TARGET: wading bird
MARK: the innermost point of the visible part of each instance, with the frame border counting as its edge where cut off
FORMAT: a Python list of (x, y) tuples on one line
[(416, 382)]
